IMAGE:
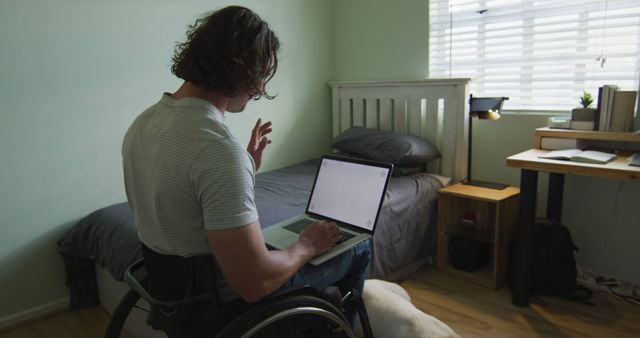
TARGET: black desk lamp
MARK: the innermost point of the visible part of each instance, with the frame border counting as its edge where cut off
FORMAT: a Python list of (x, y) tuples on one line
[(483, 108)]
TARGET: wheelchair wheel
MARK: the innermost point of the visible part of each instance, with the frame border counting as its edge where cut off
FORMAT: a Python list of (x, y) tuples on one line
[(121, 313), (298, 316)]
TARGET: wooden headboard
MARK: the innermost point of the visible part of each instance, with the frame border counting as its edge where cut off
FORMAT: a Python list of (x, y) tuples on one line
[(435, 109)]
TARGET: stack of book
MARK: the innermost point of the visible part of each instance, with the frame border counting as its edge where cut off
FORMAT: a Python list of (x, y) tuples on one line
[(615, 109), (560, 143)]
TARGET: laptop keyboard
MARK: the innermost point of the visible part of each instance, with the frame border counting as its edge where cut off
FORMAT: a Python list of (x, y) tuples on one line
[(302, 224)]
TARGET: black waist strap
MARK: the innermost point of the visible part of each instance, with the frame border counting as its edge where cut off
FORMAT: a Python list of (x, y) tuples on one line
[(173, 277)]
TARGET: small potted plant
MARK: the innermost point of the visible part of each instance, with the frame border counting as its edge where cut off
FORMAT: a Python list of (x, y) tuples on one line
[(584, 118)]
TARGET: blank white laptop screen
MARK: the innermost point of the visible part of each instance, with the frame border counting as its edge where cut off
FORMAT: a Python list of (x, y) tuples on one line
[(348, 192)]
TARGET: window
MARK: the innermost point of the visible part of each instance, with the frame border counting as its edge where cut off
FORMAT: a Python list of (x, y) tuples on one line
[(541, 54)]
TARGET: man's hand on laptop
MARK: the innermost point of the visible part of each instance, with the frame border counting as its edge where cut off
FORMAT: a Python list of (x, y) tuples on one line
[(320, 236)]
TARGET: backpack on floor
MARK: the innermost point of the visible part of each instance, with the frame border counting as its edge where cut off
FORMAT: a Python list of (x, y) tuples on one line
[(553, 264)]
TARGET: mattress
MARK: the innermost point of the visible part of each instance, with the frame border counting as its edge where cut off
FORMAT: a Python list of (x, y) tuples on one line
[(404, 239)]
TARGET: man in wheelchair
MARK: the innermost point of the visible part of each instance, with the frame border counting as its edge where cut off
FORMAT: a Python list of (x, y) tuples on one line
[(189, 183)]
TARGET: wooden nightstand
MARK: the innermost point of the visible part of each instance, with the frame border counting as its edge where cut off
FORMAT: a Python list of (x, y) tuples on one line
[(487, 217)]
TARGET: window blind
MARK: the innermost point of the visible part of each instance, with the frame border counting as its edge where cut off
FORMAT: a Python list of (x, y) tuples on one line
[(541, 54)]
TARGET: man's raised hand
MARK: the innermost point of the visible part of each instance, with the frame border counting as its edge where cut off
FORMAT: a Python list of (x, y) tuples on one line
[(259, 141)]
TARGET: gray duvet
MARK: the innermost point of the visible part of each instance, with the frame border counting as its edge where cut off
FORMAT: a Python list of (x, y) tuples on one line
[(404, 239)]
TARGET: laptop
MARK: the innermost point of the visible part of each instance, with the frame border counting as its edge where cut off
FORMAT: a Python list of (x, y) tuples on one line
[(345, 190)]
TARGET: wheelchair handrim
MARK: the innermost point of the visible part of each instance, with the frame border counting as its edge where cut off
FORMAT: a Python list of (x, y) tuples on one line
[(299, 311)]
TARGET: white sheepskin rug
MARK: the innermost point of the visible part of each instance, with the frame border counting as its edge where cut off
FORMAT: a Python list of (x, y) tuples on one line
[(392, 315)]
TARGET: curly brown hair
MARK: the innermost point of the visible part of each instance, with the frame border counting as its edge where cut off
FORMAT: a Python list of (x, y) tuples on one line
[(229, 50)]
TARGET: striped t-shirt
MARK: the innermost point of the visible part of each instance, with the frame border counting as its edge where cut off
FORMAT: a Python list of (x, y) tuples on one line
[(185, 173)]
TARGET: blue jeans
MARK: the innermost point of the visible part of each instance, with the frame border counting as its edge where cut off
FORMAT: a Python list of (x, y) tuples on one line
[(346, 271)]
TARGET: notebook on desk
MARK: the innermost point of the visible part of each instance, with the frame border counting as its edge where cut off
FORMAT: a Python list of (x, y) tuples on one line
[(347, 191), (577, 155)]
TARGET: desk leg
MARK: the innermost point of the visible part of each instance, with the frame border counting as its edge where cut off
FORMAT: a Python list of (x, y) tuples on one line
[(554, 197), (522, 258)]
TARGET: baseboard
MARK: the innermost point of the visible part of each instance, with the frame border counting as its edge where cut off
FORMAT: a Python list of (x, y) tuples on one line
[(29, 315)]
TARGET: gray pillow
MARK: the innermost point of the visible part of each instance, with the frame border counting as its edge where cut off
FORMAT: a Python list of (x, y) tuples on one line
[(386, 146), (408, 169)]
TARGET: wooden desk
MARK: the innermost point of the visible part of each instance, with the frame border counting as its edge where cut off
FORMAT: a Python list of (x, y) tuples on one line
[(530, 165), (616, 169)]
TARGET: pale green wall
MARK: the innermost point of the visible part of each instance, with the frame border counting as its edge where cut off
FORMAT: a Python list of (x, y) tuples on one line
[(381, 39), (387, 39), (74, 74)]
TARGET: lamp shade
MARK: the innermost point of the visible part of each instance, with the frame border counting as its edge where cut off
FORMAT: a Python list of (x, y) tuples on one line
[(486, 108)]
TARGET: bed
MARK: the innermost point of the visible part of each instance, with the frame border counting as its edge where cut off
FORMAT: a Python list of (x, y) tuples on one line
[(98, 249)]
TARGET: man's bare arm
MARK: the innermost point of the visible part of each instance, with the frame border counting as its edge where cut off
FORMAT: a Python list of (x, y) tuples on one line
[(252, 270)]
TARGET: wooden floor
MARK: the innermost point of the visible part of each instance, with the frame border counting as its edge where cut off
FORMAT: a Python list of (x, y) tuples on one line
[(475, 311), (87, 323), (470, 310)]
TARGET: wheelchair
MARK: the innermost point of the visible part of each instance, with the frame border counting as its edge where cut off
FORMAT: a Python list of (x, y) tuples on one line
[(295, 312)]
